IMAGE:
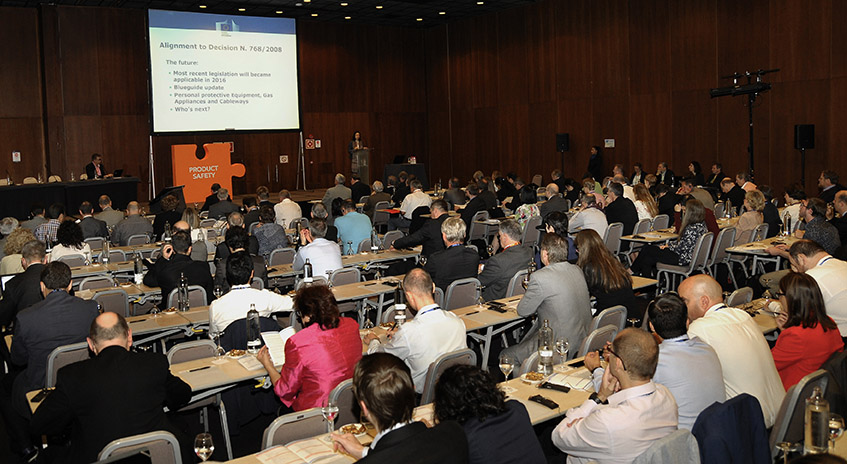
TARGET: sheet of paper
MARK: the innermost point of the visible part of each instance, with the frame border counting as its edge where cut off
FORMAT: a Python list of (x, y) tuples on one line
[(275, 341), (201, 376), (317, 449), (578, 380), (278, 455), (250, 362)]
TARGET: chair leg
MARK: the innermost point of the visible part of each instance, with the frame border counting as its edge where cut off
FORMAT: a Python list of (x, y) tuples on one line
[(204, 419), (225, 428)]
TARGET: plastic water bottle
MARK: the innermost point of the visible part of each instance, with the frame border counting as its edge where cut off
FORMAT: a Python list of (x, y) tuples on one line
[(104, 253), (786, 222), (138, 267), (166, 235), (399, 306), (817, 424), (374, 241), (307, 271), (182, 293), (254, 334), (545, 348)]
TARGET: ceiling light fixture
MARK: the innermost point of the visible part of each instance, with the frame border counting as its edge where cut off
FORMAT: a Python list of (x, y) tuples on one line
[(242, 9), (314, 15), (347, 17), (480, 3), (202, 6), (379, 7), (419, 19), (343, 3), (278, 11), (442, 12)]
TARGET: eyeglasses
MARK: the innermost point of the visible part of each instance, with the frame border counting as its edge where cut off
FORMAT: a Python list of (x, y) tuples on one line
[(609, 349)]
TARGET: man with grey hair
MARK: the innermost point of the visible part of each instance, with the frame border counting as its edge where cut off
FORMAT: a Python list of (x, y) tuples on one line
[(512, 257), (412, 201), (223, 207), (377, 196), (286, 210), (429, 235), (554, 202), (323, 255), (455, 262), (620, 209), (108, 215), (590, 216), (319, 211), (339, 190), (134, 224)]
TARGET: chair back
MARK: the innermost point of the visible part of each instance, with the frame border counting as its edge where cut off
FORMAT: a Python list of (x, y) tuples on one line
[(537, 179), (211, 233), (304, 223), (477, 231), (257, 283), (281, 256), (95, 243), (252, 227), (348, 408), (530, 364), (463, 356), (381, 217), (160, 447), (138, 239), (390, 237), (30, 180), (114, 300), (235, 334), (642, 226), (294, 426), (207, 223), (612, 237), (597, 339), (726, 237), (363, 199), (364, 246), (760, 232), (679, 447), (116, 256), (61, 356), (701, 252), (791, 416), (189, 351), (516, 284), (316, 280), (461, 293), (661, 221), (531, 234), (438, 296), (96, 281), (614, 316), (74, 260), (740, 297), (196, 296), (200, 250), (344, 276), (720, 209)]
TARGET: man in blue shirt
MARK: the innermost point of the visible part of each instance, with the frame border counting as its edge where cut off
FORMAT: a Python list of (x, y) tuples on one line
[(689, 368), (353, 227)]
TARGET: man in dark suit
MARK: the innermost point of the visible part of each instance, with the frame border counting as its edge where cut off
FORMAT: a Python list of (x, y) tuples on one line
[(237, 220), (24, 290), (251, 210), (90, 226), (264, 196), (211, 199), (500, 268), (377, 196), (358, 189), (456, 261), (223, 207), (554, 202), (455, 195), (620, 209), (475, 204), (828, 182), (638, 174), (175, 261), (237, 240), (666, 199), (384, 389), (95, 169), (595, 163), (717, 176), (60, 319), (116, 394), (401, 189), (733, 193), (665, 175), (429, 235), (489, 197)]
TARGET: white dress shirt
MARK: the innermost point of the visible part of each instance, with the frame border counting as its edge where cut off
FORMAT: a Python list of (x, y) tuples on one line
[(287, 211), (323, 255), (745, 357), (420, 341), (413, 201), (620, 431), (589, 218), (831, 276), (234, 305), (629, 192), (60, 250)]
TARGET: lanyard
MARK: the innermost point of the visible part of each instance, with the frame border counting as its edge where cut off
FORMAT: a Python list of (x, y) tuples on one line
[(429, 310)]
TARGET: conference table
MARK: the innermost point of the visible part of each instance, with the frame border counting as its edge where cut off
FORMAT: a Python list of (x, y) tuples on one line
[(363, 259), (17, 200)]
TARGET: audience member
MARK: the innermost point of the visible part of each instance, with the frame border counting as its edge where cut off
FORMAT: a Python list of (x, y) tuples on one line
[(679, 252), (637, 174), (234, 220), (24, 290), (455, 195), (717, 176), (7, 226), (557, 223), (592, 188), (358, 189), (666, 200), (11, 263), (645, 205), (607, 279), (589, 216), (620, 209), (456, 261), (268, 233), (353, 227), (505, 190), (401, 187), (555, 201), (474, 205), (511, 258), (339, 190), (528, 208), (377, 196), (36, 218), (237, 240), (47, 231), (795, 198), (828, 183), (90, 226), (817, 228), (223, 207), (319, 211), (754, 203), (323, 255), (665, 176), (211, 199), (108, 215), (733, 193), (411, 202), (251, 210), (286, 210), (70, 242), (168, 217), (264, 196), (174, 263), (134, 224), (745, 181), (770, 213), (730, 331), (839, 219), (689, 187), (429, 235), (595, 162)]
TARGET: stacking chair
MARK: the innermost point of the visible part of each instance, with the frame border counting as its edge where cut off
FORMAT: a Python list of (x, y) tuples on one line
[(388, 314), (529, 364), (61, 356), (461, 293), (95, 282), (726, 237), (207, 223), (304, 223), (679, 447), (116, 256), (113, 300), (516, 284), (189, 351), (161, 447), (320, 280), (759, 233), (73, 260), (364, 246), (597, 339), (196, 296), (257, 283), (463, 356), (789, 420), (138, 239), (661, 221), (699, 256), (612, 237), (390, 237), (294, 426), (614, 316), (95, 243), (478, 231), (438, 296), (342, 395), (531, 234), (380, 218), (344, 276), (739, 297), (252, 227), (642, 226), (720, 209), (281, 256), (537, 179)]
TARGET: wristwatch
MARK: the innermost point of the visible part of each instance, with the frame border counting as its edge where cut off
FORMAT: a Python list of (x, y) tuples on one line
[(595, 398)]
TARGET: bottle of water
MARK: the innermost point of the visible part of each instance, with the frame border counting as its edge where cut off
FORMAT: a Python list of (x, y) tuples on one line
[(297, 227), (166, 235), (307, 271), (728, 209), (817, 424), (546, 343), (104, 253), (374, 241), (138, 267), (786, 222), (254, 334), (182, 293), (399, 306)]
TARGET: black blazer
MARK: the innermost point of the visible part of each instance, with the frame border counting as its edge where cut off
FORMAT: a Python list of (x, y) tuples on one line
[(489, 198), (22, 291), (222, 251), (670, 179), (828, 196), (116, 394), (165, 274), (474, 206), (503, 439), (771, 217), (429, 236), (165, 217), (259, 270), (400, 192), (416, 444), (715, 180), (666, 203), (91, 173), (500, 268), (358, 190), (622, 210), (595, 167), (221, 209), (556, 203), (92, 227), (210, 200), (456, 262), (251, 217), (736, 197)]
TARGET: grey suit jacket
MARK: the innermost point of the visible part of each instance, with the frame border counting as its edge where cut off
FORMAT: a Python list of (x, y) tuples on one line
[(132, 225), (500, 268), (92, 227), (556, 203), (339, 191), (558, 293), (111, 217)]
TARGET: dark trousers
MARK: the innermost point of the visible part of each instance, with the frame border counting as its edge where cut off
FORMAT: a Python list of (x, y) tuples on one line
[(649, 256), (15, 412)]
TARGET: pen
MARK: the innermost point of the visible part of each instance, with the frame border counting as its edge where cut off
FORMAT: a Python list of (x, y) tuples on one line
[(472, 312), (199, 369)]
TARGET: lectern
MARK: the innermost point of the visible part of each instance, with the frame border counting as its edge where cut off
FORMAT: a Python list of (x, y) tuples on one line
[(361, 158)]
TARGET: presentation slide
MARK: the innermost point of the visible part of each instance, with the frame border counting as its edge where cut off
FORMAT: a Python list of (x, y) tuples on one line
[(216, 72)]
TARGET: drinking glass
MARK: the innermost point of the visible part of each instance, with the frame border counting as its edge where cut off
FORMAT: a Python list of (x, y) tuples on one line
[(507, 364), (219, 351), (490, 249), (525, 281), (218, 291), (422, 260), (562, 347), (203, 446), (329, 409), (836, 428)]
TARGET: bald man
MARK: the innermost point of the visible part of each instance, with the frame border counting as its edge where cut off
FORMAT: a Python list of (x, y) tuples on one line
[(745, 357), (118, 393), (554, 202), (134, 224)]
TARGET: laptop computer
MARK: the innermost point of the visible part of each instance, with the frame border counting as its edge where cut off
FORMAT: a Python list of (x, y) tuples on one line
[(118, 173)]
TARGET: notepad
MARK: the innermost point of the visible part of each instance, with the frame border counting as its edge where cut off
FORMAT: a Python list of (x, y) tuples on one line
[(577, 380)]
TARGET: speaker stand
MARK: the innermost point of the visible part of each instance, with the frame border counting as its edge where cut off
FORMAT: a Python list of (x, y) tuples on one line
[(803, 167)]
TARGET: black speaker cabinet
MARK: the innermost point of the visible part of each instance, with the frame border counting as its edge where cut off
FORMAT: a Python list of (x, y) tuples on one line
[(562, 142), (804, 136)]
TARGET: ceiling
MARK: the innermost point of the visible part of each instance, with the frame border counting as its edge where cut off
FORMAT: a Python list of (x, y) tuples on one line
[(406, 13)]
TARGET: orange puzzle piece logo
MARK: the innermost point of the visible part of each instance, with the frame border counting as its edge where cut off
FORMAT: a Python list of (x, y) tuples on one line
[(198, 175)]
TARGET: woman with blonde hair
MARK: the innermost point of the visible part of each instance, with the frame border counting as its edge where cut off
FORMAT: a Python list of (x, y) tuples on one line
[(754, 203), (607, 279), (644, 202), (193, 219), (11, 263)]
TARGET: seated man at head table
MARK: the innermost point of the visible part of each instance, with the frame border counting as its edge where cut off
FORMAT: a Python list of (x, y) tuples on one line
[(174, 263), (383, 387), (117, 393), (108, 215), (95, 169), (323, 255), (629, 411), (236, 240), (730, 331), (134, 224), (60, 319), (24, 290), (456, 261), (688, 367), (353, 227), (429, 235), (91, 226), (432, 333), (236, 219), (558, 293), (511, 257), (590, 216)]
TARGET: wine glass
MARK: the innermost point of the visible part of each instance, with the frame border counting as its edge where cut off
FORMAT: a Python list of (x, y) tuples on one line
[(836, 428), (525, 281), (507, 364), (562, 346), (203, 446), (422, 260), (218, 291), (329, 409), (490, 249), (219, 351), (786, 448)]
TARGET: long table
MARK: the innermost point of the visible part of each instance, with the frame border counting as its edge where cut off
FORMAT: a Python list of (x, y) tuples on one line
[(359, 259), (18, 199)]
